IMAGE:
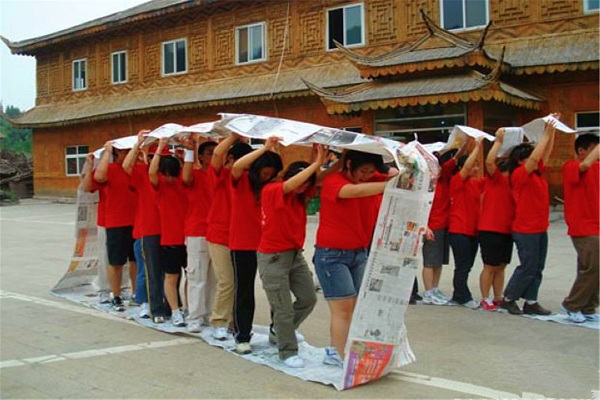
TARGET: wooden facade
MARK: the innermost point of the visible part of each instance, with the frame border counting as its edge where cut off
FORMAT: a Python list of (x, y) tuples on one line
[(295, 47)]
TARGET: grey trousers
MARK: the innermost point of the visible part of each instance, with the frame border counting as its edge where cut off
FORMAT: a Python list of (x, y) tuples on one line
[(584, 293), (282, 275)]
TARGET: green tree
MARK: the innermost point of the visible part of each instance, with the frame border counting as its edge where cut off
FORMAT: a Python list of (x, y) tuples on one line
[(14, 139)]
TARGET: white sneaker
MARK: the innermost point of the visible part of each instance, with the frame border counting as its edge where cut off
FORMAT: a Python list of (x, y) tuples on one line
[(574, 316), (429, 297), (592, 317), (294, 362), (177, 319), (144, 311), (472, 304), (332, 357), (220, 333), (440, 295), (103, 297), (194, 326), (243, 348)]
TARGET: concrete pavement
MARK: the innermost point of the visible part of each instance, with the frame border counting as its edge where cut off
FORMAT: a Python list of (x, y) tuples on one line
[(50, 348)]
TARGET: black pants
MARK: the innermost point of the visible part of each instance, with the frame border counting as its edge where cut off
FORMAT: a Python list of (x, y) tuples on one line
[(244, 270), (464, 249), (155, 276)]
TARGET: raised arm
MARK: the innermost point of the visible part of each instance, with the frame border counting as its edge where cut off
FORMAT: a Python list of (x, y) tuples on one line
[(353, 190), (550, 145), (220, 152), (300, 178), (592, 157), (490, 161), (132, 155), (335, 167), (88, 171), (189, 159), (243, 163), (465, 171), (462, 150), (539, 152), (153, 170), (101, 173)]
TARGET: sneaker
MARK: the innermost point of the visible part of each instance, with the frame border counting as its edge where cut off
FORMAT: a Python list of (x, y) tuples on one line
[(535, 309), (144, 311), (194, 326), (133, 303), (332, 357), (471, 304), (117, 304), (294, 362), (497, 302), (574, 316), (220, 333), (511, 307), (177, 319), (488, 305), (243, 348), (592, 317), (159, 319), (429, 297), (103, 297), (273, 336), (440, 295)]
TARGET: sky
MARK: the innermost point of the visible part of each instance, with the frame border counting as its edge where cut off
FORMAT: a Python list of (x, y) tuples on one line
[(27, 19)]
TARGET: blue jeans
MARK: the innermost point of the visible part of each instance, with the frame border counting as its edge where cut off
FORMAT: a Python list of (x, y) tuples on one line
[(464, 250), (526, 279), (141, 294), (340, 272), (155, 276)]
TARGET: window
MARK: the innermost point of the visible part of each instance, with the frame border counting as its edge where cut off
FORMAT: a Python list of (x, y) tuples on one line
[(250, 43), (464, 14), (119, 67), (174, 57), (74, 159), (587, 121), (345, 25), (591, 6), (79, 74)]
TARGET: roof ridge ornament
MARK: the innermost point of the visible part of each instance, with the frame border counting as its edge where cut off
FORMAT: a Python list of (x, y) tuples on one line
[(440, 32), (494, 74)]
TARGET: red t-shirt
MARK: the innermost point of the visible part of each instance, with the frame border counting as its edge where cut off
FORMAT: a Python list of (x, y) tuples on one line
[(245, 224), (199, 196), (344, 223), (147, 219), (439, 216), (497, 204), (220, 210), (284, 220), (532, 200), (465, 201), (120, 198), (101, 217), (172, 206), (581, 199)]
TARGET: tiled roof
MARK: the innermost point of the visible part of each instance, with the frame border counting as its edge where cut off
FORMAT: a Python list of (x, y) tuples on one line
[(206, 94)]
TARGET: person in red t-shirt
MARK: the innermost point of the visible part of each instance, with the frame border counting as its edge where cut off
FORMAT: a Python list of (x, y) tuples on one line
[(172, 203), (582, 190), (199, 187), (119, 216), (465, 194), (225, 154), (249, 175), (530, 226), (343, 236), (436, 246), (282, 267), (495, 221)]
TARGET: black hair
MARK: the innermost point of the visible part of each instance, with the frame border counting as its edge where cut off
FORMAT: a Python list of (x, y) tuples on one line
[(169, 166), (585, 141), (461, 162), (268, 159), (502, 164), (359, 158), (239, 150), (445, 156), (206, 145), (518, 154), (294, 169)]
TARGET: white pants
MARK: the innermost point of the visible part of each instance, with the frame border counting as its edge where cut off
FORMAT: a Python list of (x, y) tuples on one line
[(201, 282), (102, 278)]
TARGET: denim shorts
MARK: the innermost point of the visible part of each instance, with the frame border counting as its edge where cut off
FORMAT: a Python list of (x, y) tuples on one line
[(340, 272)]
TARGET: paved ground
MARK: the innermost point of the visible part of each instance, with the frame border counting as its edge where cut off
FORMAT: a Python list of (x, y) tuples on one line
[(460, 353)]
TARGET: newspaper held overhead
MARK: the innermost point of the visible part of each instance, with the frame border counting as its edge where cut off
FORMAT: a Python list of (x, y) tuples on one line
[(533, 130), (123, 143), (259, 127), (459, 135)]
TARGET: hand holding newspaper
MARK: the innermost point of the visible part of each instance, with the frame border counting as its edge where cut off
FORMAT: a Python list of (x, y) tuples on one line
[(461, 133)]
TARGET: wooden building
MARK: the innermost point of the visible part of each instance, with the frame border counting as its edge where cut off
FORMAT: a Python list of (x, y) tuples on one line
[(399, 67)]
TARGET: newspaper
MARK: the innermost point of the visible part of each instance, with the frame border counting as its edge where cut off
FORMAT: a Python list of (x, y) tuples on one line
[(513, 136), (533, 130), (460, 133), (260, 127)]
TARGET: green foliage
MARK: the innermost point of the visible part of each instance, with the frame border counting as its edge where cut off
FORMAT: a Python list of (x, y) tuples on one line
[(15, 140)]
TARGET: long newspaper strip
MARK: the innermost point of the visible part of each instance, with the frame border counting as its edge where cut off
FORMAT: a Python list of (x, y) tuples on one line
[(260, 127), (83, 266), (378, 339)]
